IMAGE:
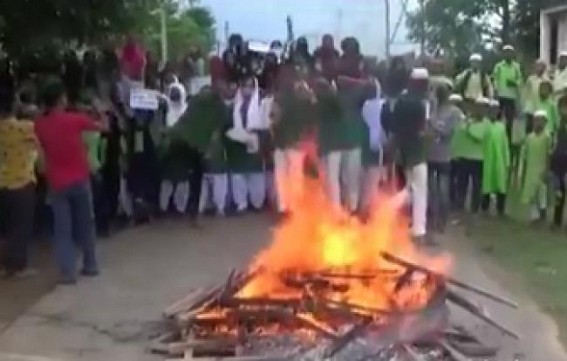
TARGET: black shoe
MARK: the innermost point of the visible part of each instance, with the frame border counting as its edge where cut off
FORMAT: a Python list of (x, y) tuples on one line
[(90, 273)]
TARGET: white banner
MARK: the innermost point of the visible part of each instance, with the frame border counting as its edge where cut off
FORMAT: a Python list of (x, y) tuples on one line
[(144, 99)]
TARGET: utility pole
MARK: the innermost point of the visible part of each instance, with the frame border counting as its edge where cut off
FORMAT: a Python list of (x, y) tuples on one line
[(387, 22), (340, 24), (226, 32), (423, 27), (290, 35)]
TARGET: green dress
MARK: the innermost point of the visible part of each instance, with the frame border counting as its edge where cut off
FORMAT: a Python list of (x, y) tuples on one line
[(472, 142), (496, 159), (330, 119), (550, 107), (202, 128), (298, 119), (533, 165)]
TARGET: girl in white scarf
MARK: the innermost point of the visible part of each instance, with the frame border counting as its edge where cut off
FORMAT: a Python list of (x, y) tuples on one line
[(174, 189), (176, 103), (248, 178)]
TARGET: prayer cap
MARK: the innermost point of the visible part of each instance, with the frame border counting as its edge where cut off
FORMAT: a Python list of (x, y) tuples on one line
[(419, 74), (494, 103), (483, 101), (563, 53), (455, 97), (475, 57), (508, 47), (540, 113)]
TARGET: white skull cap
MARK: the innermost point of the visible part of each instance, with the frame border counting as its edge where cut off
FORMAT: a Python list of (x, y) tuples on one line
[(540, 113), (456, 97), (419, 74), (475, 57)]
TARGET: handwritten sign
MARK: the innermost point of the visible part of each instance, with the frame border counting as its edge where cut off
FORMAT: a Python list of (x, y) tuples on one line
[(144, 99)]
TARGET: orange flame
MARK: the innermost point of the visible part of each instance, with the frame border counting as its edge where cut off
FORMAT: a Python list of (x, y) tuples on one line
[(321, 237)]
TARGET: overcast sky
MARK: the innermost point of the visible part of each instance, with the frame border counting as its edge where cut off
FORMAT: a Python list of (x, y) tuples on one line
[(265, 20)]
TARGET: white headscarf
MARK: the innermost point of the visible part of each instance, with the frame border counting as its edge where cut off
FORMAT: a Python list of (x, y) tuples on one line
[(372, 114), (254, 118), (175, 109)]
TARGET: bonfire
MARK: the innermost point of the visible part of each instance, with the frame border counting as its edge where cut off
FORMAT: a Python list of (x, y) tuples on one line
[(331, 287)]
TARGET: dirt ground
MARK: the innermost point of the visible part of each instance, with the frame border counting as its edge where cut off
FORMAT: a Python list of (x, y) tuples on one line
[(146, 268)]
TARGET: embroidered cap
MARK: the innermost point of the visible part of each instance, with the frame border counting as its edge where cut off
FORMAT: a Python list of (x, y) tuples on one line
[(508, 47)]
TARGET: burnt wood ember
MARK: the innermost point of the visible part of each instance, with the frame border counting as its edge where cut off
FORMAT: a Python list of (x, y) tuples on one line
[(313, 319)]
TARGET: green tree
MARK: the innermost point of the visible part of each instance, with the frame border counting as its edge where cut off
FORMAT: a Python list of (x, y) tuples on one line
[(33, 24), (459, 26)]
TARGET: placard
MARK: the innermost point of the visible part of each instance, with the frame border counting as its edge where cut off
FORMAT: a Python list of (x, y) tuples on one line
[(144, 99)]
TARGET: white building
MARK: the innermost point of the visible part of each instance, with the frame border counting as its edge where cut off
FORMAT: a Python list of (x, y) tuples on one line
[(553, 33)]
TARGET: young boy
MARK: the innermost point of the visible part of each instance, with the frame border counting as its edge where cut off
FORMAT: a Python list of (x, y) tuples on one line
[(472, 153), (546, 102), (534, 167), (455, 147), (559, 163), (496, 161)]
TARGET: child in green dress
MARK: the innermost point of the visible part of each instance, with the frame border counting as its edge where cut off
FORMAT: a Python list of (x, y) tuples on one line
[(496, 161), (534, 168)]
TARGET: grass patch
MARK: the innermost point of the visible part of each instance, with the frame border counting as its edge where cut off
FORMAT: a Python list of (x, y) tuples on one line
[(537, 257)]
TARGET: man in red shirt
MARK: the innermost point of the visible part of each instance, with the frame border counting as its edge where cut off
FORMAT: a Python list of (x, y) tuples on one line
[(60, 135)]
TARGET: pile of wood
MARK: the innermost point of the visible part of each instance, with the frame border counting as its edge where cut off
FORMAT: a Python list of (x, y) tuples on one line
[(215, 324)]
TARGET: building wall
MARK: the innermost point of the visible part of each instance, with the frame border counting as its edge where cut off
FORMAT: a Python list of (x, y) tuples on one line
[(562, 36), (546, 36)]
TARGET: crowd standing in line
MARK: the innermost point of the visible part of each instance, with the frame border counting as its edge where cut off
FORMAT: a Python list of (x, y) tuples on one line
[(231, 146)]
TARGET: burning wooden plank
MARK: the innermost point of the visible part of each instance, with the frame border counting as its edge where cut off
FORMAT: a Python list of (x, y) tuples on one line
[(394, 259)]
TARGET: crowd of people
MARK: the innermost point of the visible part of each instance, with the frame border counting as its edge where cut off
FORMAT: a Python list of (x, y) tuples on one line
[(232, 145)]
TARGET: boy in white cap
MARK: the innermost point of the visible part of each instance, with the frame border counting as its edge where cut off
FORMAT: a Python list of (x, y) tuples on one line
[(534, 161), (507, 77), (408, 129), (440, 129), (473, 132), (531, 91), (474, 83)]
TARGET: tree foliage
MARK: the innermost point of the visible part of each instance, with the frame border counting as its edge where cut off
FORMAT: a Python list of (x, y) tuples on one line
[(461, 26), (33, 24)]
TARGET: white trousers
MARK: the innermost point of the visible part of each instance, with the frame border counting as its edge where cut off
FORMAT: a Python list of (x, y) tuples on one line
[(539, 203), (344, 177), (178, 191), (288, 171), (374, 178), (417, 186), (249, 188), (124, 198), (215, 189)]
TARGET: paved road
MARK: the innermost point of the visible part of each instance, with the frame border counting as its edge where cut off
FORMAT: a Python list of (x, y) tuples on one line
[(144, 269)]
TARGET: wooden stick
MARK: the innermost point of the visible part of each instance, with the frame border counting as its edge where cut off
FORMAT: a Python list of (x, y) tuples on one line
[(473, 309), (182, 304), (394, 259), (316, 326), (455, 354), (411, 352)]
